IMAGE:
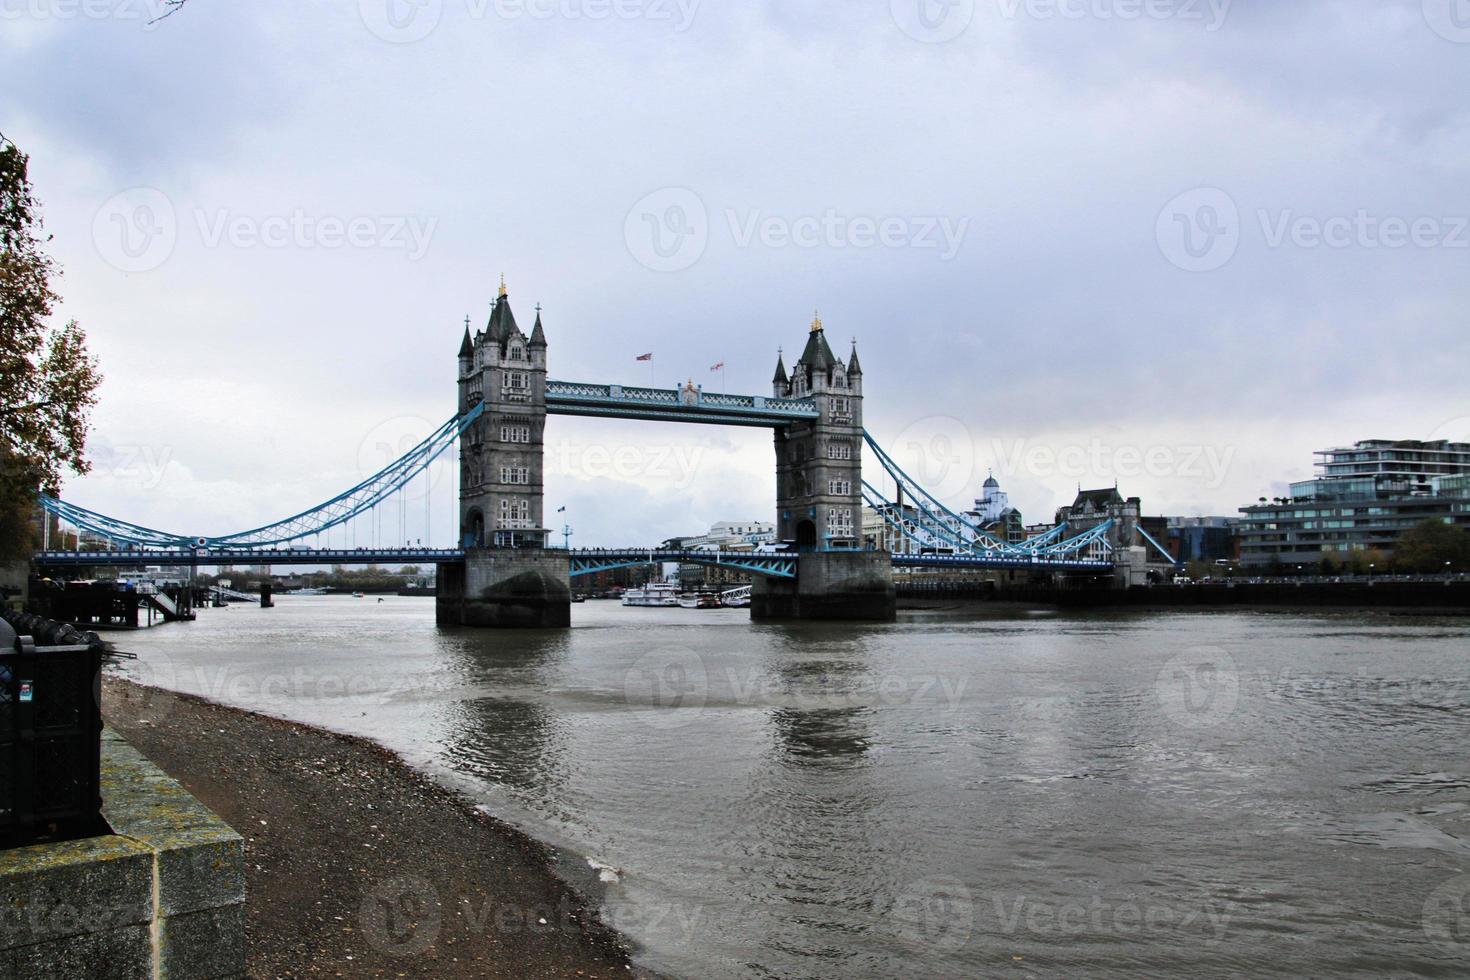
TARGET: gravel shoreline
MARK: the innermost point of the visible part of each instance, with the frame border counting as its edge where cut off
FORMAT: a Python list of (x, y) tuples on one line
[(358, 866)]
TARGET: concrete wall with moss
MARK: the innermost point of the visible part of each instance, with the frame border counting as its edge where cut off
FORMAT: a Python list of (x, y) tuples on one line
[(162, 896)]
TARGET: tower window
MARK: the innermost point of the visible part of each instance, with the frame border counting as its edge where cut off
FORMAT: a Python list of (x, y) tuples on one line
[(839, 523), (515, 513)]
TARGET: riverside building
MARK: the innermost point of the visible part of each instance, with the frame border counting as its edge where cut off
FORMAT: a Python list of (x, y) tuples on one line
[(1362, 499)]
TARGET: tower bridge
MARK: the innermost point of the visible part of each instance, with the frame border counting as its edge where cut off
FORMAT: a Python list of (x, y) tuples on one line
[(503, 571)]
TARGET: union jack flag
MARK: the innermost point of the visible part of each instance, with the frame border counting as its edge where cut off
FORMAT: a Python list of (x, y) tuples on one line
[(718, 367), (644, 357)]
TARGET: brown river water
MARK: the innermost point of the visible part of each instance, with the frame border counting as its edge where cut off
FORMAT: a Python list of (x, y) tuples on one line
[(963, 793)]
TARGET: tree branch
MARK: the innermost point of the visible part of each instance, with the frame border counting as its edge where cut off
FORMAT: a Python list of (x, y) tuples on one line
[(171, 7), (31, 407)]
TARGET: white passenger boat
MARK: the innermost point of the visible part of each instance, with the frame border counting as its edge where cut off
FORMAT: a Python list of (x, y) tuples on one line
[(653, 594)]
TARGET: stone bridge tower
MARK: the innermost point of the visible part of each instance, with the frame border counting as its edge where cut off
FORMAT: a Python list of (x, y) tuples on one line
[(507, 578), (819, 491), (500, 500), (819, 497)]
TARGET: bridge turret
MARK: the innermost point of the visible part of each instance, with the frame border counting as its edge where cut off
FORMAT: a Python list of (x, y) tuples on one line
[(538, 340)]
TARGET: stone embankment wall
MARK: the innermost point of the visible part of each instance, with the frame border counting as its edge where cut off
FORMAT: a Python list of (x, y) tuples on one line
[(163, 895)]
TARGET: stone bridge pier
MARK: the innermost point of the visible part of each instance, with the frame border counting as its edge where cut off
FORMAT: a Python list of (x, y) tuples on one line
[(833, 585)]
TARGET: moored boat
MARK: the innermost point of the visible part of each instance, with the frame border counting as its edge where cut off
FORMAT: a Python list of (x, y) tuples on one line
[(653, 594)]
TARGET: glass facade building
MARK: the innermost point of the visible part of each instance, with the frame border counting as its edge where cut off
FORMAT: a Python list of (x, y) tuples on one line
[(1361, 500)]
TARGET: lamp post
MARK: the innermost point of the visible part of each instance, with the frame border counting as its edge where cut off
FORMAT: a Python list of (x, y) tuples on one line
[(566, 537), (1371, 566)]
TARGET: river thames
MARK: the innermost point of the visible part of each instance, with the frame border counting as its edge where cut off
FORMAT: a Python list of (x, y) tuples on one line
[(962, 793)]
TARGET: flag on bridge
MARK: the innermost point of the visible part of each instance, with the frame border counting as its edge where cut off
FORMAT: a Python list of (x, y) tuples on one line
[(718, 367), (644, 357), (560, 509)]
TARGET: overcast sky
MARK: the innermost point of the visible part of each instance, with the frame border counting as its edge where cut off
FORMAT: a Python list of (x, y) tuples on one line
[(1176, 244)]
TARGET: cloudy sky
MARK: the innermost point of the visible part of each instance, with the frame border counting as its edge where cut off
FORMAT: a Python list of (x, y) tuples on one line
[(1179, 244)]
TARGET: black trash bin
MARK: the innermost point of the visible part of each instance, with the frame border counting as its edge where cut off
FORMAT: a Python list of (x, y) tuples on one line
[(50, 740)]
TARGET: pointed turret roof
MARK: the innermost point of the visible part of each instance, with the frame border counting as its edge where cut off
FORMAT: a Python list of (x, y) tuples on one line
[(467, 346), (818, 355), (853, 367), (538, 336), (502, 325), (780, 377)]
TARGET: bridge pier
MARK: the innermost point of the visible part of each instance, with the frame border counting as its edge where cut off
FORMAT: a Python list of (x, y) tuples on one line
[(854, 586), (505, 588)]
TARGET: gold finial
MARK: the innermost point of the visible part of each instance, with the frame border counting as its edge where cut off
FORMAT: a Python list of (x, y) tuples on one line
[(816, 321), (502, 284)]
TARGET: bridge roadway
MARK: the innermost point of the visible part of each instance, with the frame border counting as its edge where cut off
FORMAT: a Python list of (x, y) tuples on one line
[(584, 561)]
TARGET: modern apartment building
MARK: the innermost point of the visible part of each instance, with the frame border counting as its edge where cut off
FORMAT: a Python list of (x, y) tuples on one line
[(1362, 499)]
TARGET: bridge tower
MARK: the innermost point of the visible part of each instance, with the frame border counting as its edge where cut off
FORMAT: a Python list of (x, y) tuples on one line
[(507, 578), (819, 502)]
